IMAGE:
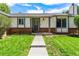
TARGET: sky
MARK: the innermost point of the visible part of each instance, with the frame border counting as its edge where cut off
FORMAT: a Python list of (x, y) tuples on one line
[(38, 7)]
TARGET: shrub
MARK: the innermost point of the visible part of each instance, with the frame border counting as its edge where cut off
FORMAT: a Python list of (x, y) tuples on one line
[(4, 24), (76, 21)]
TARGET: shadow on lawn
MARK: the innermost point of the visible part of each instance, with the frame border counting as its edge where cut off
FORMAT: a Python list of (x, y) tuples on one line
[(74, 36)]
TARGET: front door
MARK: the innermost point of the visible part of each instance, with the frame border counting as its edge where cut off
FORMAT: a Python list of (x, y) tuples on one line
[(61, 25), (35, 25)]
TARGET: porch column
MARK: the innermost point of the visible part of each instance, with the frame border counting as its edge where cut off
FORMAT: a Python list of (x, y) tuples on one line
[(49, 24), (31, 24), (68, 24)]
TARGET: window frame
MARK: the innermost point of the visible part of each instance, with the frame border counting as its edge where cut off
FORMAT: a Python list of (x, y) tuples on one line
[(21, 21), (57, 23), (64, 24), (60, 24)]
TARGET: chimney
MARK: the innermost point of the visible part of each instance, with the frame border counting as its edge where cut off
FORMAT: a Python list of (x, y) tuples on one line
[(73, 5)]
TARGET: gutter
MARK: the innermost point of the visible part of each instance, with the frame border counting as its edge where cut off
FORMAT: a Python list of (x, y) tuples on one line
[(4, 13)]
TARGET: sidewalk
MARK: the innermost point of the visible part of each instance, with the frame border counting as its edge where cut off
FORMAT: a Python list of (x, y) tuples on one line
[(38, 47)]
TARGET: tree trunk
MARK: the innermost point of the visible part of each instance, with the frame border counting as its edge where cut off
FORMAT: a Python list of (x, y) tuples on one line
[(3, 35), (0, 36), (78, 30)]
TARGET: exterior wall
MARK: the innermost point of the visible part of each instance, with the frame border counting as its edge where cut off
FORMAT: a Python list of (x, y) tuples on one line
[(53, 22), (44, 23), (27, 23), (19, 31), (13, 23), (72, 27), (15, 28), (43, 30), (73, 9), (71, 22), (20, 26), (73, 31)]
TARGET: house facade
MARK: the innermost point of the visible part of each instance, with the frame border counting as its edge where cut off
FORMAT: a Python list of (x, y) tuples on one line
[(43, 23)]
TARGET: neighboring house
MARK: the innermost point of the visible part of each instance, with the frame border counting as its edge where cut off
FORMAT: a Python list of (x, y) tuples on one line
[(43, 23)]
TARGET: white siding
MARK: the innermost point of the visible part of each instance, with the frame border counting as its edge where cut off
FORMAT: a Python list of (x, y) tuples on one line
[(71, 10), (71, 22), (75, 10), (44, 23), (53, 22), (64, 29), (58, 29), (20, 26), (13, 22), (27, 23)]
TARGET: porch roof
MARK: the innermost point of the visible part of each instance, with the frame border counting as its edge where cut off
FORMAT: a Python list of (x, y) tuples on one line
[(37, 14)]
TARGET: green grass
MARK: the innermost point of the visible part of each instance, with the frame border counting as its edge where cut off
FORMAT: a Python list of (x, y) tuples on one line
[(61, 45), (15, 45)]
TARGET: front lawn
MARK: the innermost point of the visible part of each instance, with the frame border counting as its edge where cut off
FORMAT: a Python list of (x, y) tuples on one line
[(61, 45), (15, 45)]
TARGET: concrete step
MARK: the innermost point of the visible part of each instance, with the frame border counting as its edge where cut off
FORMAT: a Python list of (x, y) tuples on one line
[(38, 46), (36, 51)]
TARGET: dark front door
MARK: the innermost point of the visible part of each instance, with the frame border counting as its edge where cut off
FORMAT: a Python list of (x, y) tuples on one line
[(35, 25)]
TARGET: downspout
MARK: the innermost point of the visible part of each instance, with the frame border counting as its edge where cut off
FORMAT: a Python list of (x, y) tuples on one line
[(49, 25), (68, 23)]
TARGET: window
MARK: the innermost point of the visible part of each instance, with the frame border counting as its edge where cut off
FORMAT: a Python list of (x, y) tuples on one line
[(58, 23), (61, 23), (21, 21)]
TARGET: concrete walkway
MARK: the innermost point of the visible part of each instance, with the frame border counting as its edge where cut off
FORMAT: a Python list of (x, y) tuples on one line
[(38, 47)]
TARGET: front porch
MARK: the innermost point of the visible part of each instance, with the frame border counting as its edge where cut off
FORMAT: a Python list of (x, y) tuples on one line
[(50, 25)]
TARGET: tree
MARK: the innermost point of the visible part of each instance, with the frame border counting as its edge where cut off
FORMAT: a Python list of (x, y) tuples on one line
[(4, 8), (76, 21), (4, 24), (65, 11), (78, 10)]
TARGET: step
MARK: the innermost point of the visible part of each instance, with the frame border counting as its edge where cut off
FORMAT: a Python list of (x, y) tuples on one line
[(36, 51), (38, 45)]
